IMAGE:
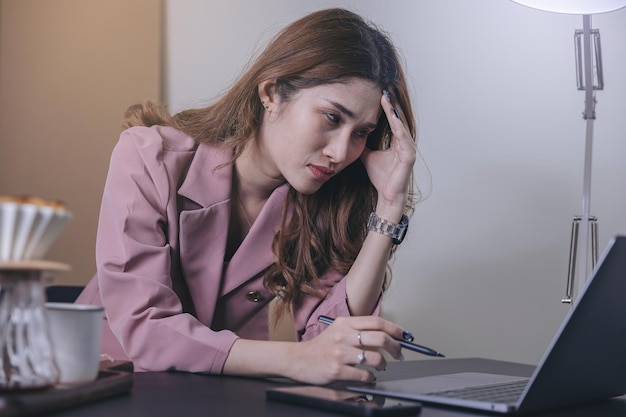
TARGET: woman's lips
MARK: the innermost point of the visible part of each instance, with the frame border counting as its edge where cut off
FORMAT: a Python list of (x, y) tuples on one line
[(322, 173)]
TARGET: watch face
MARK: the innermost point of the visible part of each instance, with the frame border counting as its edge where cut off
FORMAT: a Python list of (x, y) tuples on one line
[(401, 230)]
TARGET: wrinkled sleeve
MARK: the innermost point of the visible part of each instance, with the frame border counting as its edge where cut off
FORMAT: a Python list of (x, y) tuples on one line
[(308, 308), (133, 259)]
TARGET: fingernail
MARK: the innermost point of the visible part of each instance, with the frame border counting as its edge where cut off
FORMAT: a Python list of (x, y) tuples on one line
[(401, 357), (395, 113), (408, 336), (387, 95)]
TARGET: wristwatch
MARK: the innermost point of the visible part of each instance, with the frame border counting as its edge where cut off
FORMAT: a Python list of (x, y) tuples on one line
[(396, 231)]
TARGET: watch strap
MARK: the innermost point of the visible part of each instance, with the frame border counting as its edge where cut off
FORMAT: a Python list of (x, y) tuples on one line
[(396, 231)]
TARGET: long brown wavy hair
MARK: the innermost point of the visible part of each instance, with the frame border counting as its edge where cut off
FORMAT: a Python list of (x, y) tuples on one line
[(325, 229)]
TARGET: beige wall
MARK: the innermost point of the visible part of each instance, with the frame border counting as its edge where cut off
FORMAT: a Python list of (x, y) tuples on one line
[(68, 70)]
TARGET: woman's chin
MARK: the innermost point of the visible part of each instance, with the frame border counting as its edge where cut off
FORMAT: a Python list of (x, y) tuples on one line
[(310, 188)]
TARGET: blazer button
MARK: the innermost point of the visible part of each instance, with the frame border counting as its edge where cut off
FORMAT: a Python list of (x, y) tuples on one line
[(253, 296)]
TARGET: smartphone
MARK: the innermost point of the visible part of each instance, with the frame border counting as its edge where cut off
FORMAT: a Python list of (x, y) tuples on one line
[(345, 402)]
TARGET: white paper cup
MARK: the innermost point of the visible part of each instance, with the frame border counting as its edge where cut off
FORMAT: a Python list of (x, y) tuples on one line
[(75, 333)]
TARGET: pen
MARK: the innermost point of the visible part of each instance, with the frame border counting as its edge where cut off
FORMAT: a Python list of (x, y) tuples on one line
[(407, 345)]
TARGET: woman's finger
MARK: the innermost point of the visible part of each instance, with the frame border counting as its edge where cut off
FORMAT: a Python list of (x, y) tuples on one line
[(394, 113), (369, 323), (375, 339), (392, 110), (371, 358), (366, 332), (402, 143), (353, 373)]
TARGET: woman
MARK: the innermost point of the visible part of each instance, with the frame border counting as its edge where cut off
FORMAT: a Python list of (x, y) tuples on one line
[(291, 186)]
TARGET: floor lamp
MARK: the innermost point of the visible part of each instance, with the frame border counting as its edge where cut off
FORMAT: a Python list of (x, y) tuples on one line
[(589, 78)]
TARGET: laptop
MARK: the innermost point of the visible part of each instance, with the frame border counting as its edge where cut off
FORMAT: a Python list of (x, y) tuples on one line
[(585, 362)]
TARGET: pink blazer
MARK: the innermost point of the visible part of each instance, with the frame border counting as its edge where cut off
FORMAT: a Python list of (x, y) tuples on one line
[(171, 302)]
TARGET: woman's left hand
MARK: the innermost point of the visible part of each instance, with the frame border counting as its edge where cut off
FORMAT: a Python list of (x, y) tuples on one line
[(390, 170)]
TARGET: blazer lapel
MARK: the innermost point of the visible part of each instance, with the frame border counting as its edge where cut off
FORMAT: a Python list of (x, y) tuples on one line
[(204, 226), (255, 253), (204, 232)]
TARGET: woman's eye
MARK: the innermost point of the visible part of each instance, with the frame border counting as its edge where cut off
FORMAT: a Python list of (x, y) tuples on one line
[(333, 118), (362, 133)]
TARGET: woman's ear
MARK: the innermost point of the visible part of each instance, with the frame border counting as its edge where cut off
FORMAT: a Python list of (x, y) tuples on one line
[(267, 94)]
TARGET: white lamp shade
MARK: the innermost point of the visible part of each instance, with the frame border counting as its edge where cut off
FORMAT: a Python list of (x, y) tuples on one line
[(574, 6)]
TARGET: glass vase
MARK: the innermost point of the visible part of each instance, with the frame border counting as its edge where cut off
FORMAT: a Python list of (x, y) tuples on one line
[(26, 355)]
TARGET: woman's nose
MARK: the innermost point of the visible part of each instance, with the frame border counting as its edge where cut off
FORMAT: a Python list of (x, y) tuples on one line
[(338, 149)]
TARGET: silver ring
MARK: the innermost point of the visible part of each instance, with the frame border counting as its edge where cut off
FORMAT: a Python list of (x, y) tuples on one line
[(358, 336), (360, 357)]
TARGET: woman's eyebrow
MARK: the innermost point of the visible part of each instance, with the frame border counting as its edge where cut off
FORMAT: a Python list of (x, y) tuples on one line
[(349, 113)]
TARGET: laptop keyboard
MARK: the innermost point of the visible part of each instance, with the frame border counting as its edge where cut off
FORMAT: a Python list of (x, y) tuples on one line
[(508, 392)]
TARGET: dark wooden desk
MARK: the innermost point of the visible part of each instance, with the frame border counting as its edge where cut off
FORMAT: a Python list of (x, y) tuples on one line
[(181, 394)]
